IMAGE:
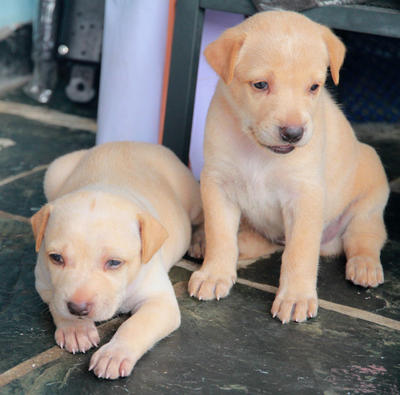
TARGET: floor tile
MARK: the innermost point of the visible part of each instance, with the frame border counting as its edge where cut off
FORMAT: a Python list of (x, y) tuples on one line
[(234, 345), (26, 326), (30, 195), (36, 143), (332, 286)]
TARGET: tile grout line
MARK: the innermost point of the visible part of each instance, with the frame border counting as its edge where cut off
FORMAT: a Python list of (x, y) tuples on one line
[(51, 355), (55, 352), (15, 217), (50, 117), (338, 308), (23, 174), (46, 357), (5, 181), (30, 364)]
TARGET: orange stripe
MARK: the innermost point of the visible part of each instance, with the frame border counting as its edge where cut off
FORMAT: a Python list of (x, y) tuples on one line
[(167, 65)]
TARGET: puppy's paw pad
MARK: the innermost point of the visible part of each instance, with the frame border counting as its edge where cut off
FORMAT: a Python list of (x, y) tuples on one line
[(112, 361), (364, 271), (294, 308), (207, 286), (77, 337)]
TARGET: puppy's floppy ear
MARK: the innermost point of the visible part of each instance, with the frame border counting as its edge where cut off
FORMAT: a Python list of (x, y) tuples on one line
[(153, 235), (336, 51), (39, 223), (222, 54)]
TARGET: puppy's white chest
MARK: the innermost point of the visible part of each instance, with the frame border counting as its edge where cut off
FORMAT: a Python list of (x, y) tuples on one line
[(257, 192)]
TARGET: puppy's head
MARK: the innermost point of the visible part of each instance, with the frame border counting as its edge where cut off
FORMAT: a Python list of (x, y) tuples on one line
[(273, 66), (93, 246)]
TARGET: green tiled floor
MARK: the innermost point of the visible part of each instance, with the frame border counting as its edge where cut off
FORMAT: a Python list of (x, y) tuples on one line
[(232, 346), (332, 286), (25, 321), (36, 143)]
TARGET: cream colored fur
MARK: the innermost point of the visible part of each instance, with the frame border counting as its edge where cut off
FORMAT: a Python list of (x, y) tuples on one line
[(128, 202), (329, 177)]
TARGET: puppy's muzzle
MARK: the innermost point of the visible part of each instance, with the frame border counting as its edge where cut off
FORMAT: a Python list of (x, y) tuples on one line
[(79, 309), (291, 134)]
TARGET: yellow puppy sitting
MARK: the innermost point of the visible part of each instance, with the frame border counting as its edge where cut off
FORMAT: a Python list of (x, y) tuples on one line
[(119, 216), (280, 154)]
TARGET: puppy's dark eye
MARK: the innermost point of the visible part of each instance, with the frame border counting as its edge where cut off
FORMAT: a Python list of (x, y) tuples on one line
[(57, 259), (113, 264), (314, 87), (260, 85)]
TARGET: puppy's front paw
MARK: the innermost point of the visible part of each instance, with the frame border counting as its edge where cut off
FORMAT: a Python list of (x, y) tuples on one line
[(364, 271), (77, 336), (207, 285), (294, 306), (113, 360)]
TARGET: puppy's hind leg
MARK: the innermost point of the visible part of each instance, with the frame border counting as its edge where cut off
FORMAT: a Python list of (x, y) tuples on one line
[(253, 245), (332, 248), (198, 240), (366, 234), (197, 247), (363, 241), (58, 171)]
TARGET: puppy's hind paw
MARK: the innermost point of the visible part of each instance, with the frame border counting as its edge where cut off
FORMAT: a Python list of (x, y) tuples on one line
[(364, 271), (77, 337), (197, 244)]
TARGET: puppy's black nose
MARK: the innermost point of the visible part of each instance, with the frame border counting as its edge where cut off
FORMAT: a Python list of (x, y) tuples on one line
[(80, 309), (291, 134)]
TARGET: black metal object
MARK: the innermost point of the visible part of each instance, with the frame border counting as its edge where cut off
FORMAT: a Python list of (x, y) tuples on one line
[(186, 45), (81, 87), (81, 30), (300, 5), (359, 18), (77, 37), (244, 7), (189, 17), (44, 77), (80, 40)]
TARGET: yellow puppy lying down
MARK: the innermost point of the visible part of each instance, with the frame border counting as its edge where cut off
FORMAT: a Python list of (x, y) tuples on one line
[(280, 153), (119, 216)]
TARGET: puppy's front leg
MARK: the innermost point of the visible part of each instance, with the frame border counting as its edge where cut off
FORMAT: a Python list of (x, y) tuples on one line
[(221, 222), (156, 318), (297, 295)]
